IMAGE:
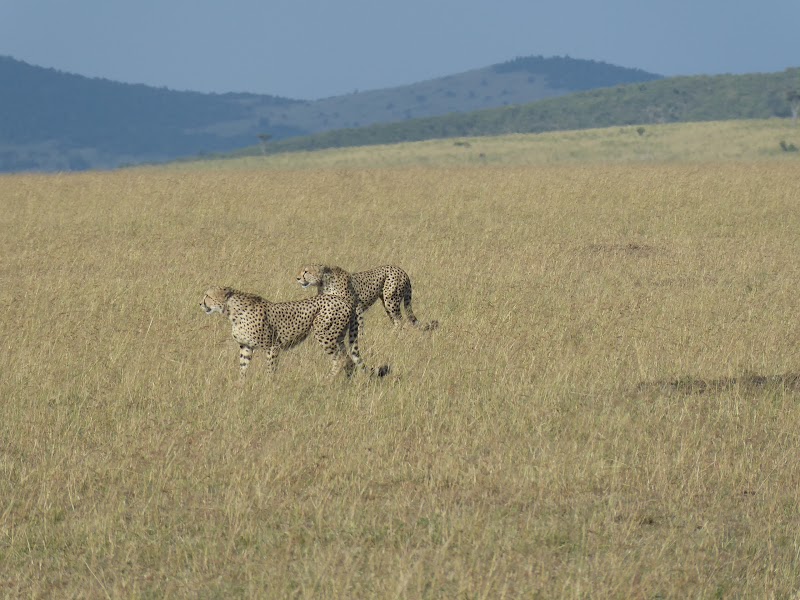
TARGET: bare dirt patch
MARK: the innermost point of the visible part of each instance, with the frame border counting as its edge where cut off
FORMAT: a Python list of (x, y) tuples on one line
[(750, 382), (631, 249)]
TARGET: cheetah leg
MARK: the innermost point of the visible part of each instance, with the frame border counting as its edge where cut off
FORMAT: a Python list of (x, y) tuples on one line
[(335, 348), (351, 363), (343, 359), (345, 362), (245, 356), (353, 333), (360, 310), (337, 351), (272, 358), (407, 304), (391, 304)]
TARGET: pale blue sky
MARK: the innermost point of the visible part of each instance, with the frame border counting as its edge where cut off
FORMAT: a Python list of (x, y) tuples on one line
[(313, 48)]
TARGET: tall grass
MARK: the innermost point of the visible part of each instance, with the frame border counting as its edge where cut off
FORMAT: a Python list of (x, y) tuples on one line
[(609, 408)]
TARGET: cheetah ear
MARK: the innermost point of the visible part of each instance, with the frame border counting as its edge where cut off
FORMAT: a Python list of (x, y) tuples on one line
[(228, 293)]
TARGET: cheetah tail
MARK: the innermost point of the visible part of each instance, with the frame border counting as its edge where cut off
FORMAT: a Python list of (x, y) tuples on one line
[(381, 371), (430, 326)]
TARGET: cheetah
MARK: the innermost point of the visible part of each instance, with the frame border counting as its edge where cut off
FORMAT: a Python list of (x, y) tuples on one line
[(335, 281), (389, 283), (275, 326)]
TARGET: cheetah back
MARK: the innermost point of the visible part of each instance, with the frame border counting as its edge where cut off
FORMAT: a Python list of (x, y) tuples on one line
[(292, 321), (375, 283)]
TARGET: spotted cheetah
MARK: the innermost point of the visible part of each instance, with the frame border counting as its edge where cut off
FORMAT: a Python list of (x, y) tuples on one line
[(335, 281), (276, 326), (389, 283)]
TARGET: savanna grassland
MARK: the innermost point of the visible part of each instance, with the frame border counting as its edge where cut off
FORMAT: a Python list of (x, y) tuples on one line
[(610, 407), (744, 140)]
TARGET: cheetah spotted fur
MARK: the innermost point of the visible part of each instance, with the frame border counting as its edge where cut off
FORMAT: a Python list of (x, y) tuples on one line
[(275, 326), (389, 283)]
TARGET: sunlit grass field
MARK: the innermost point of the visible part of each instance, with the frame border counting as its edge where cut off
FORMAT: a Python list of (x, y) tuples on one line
[(610, 407), (658, 143)]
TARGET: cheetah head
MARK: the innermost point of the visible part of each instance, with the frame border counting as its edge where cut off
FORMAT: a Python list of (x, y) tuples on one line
[(216, 300), (311, 275)]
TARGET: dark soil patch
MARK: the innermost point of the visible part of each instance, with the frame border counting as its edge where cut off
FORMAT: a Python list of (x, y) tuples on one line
[(749, 382), (632, 249)]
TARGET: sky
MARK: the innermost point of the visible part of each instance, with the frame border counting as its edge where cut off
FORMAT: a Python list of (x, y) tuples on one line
[(311, 49)]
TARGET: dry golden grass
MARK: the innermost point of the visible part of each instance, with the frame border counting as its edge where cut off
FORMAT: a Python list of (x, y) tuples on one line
[(609, 408), (675, 143)]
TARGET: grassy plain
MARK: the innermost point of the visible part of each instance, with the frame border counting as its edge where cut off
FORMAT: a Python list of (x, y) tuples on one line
[(609, 408), (676, 142)]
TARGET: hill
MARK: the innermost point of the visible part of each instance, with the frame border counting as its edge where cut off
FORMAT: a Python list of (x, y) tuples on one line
[(677, 99), (50, 120), (54, 120)]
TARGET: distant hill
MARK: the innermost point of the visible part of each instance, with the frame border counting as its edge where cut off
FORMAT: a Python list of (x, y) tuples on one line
[(54, 120), (50, 120), (677, 99)]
